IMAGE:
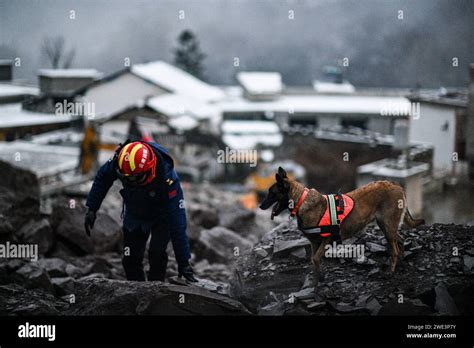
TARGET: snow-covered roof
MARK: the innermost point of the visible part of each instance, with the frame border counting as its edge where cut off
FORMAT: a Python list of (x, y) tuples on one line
[(387, 168), (176, 80), (257, 83), (324, 104), (250, 127), (248, 134), (43, 160), (63, 136), (330, 87), (10, 90), (183, 123), (68, 73), (241, 142), (12, 115), (174, 105)]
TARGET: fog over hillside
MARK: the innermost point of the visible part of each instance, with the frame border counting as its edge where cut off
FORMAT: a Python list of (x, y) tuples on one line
[(382, 49)]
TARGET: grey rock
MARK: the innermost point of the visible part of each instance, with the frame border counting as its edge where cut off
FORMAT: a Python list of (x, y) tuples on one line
[(282, 246), (37, 232), (375, 248), (69, 226), (54, 266), (218, 245), (63, 286), (343, 307), (303, 294), (444, 302), (314, 306), (261, 252), (299, 253), (5, 225), (468, 263), (117, 297), (273, 309), (408, 307), (373, 306), (16, 300), (31, 276)]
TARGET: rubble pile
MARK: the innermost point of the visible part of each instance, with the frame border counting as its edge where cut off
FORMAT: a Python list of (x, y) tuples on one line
[(434, 275), (220, 229), (247, 263)]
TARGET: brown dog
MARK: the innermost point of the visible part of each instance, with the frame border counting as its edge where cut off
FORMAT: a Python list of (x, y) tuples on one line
[(381, 201)]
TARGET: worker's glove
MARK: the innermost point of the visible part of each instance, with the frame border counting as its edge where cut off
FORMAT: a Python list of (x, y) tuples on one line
[(186, 271), (89, 221)]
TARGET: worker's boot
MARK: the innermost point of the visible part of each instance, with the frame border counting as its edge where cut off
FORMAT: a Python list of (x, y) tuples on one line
[(158, 261), (133, 268)]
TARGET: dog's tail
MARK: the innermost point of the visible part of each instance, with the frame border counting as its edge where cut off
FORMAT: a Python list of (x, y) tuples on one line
[(410, 221)]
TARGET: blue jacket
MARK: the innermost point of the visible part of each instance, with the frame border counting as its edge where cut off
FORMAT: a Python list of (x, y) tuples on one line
[(161, 200)]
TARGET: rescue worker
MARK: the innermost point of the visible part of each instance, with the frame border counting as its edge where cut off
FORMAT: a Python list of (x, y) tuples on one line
[(153, 205)]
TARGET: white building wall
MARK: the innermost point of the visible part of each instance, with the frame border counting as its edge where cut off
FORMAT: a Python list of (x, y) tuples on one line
[(328, 122), (429, 127), (113, 96)]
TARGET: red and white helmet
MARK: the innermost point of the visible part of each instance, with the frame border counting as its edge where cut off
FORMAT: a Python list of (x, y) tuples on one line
[(137, 163)]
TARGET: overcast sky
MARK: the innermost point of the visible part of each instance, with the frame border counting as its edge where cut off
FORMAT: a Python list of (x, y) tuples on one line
[(382, 49)]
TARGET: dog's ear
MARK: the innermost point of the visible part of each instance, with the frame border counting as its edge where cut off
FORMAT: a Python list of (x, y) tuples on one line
[(282, 173), (278, 179)]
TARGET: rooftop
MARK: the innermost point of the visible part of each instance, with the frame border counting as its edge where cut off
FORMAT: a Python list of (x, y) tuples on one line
[(70, 73), (177, 81), (266, 83), (11, 90), (175, 105), (325, 104), (457, 97), (389, 168), (12, 115), (248, 134)]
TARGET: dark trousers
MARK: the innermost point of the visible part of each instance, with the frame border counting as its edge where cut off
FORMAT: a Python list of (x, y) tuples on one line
[(135, 235)]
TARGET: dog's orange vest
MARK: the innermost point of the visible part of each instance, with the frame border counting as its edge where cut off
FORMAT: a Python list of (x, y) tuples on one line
[(348, 205), (333, 216)]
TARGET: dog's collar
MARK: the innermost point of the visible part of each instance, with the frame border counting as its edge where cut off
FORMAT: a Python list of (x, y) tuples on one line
[(300, 202)]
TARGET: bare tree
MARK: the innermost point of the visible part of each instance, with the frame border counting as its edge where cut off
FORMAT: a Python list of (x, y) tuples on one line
[(55, 51)]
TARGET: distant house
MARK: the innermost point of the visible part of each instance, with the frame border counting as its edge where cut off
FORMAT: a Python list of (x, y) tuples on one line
[(324, 111), (10, 90), (130, 88), (60, 86), (442, 121), (15, 122), (260, 85)]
